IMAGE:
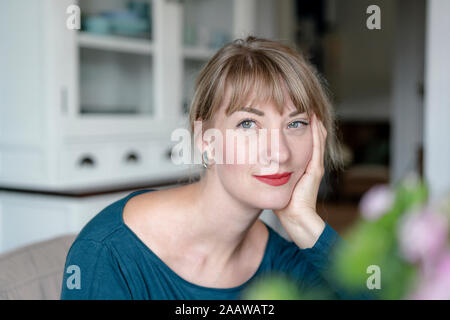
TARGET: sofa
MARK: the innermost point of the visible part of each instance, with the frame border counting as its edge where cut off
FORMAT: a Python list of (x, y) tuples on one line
[(34, 272)]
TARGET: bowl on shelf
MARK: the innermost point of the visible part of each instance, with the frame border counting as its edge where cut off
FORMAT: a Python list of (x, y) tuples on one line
[(97, 24), (126, 23)]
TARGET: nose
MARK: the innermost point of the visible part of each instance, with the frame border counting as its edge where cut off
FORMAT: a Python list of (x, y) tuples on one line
[(275, 149)]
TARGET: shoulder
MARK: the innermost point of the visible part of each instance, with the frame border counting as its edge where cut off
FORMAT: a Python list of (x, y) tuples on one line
[(92, 272), (108, 221), (143, 214), (137, 209)]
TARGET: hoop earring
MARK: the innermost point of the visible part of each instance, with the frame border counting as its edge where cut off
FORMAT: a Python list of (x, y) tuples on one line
[(205, 160)]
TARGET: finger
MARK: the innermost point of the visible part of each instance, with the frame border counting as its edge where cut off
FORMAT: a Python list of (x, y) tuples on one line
[(325, 133), (322, 134), (322, 145), (324, 142), (315, 160)]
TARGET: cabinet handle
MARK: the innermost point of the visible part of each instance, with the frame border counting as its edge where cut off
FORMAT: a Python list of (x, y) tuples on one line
[(132, 157), (86, 162)]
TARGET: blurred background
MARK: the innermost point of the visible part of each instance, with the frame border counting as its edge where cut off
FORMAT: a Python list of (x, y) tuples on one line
[(86, 115)]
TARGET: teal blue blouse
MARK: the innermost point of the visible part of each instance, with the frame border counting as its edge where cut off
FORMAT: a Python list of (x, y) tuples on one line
[(108, 261)]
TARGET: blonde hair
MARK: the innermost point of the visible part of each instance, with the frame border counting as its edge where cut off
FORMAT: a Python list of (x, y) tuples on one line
[(257, 64)]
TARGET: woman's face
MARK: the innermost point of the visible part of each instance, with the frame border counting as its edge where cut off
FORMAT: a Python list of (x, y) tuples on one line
[(288, 151)]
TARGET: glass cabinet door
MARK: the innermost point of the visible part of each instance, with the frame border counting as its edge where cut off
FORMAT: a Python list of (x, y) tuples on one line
[(115, 51), (115, 82), (207, 23), (207, 26)]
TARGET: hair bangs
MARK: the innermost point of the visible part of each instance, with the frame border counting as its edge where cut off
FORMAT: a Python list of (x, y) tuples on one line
[(254, 79)]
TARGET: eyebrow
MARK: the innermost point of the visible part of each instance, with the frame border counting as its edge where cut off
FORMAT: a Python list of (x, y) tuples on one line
[(260, 113)]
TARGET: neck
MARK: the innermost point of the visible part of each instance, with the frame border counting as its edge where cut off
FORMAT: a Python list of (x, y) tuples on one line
[(218, 224)]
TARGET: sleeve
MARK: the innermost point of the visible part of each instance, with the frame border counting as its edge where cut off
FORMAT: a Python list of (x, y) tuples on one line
[(321, 258), (312, 268), (91, 273)]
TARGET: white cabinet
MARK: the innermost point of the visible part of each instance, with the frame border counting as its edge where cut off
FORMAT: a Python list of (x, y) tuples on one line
[(29, 217), (82, 110)]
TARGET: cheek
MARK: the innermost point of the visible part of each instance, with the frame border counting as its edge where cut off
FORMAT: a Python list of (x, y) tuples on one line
[(302, 153), (236, 151), (229, 156), (234, 171)]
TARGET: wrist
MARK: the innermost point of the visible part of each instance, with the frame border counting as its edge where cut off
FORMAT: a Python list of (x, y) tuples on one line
[(303, 228)]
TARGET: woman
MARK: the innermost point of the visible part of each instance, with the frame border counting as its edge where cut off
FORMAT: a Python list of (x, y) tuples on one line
[(204, 240)]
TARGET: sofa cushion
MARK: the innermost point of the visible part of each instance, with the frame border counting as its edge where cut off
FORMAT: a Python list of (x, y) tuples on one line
[(34, 271)]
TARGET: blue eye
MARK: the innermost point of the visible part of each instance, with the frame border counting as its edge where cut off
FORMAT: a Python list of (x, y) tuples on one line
[(297, 122), (245, 124)]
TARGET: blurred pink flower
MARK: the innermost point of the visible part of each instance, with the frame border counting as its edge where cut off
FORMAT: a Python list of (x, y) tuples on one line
[(422, 235), (436, 286), (376, 202)]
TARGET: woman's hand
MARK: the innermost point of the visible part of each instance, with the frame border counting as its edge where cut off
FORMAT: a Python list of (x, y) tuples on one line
[(299, 218)]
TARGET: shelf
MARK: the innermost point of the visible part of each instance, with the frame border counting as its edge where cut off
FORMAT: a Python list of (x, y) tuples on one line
[(198, 53), (115, 43)]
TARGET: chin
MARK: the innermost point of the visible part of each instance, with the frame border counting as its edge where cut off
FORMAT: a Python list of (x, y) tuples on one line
[(273, 200)]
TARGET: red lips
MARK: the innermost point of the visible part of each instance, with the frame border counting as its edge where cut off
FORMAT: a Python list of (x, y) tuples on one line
[(277, 176), (275, 179)]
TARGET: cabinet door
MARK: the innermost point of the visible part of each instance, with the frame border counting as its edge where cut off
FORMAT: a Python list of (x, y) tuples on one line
[(21, 72), (207, 26), (59, 64), (127, 78)]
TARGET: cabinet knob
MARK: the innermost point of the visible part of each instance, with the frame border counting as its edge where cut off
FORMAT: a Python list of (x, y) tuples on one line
[(132, 157), (86, 162)]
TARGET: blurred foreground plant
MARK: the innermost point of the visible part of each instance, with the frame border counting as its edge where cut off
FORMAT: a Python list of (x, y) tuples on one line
[(405, 236), (401, 234), (274, 287)]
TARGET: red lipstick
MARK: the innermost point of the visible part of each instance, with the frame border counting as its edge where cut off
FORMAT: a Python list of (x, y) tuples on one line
[(275, 179)]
